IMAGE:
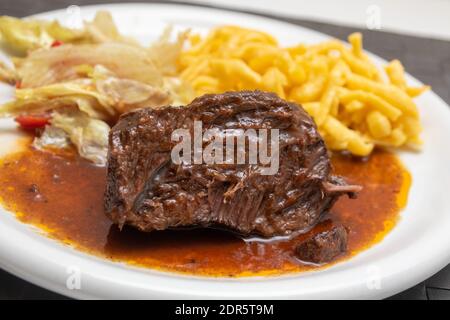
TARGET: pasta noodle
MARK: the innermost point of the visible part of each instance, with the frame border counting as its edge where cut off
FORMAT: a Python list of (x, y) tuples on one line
[(354, 105)]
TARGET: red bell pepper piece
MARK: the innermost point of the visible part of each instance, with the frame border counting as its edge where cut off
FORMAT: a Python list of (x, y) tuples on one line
[(57, 43), (31, 122)]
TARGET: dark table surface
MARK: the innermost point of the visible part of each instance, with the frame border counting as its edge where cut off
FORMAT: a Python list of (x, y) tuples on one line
[(426, 59)]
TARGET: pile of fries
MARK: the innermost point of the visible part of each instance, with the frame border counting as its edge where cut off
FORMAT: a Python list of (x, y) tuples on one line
[(355, 106)]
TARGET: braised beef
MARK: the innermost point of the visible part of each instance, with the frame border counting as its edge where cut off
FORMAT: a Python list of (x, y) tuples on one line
[(147, 190), (323, 246)]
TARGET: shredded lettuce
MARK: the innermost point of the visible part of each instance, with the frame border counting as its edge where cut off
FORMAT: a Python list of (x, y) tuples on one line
[(87, 78), (89, 135), (7, 74), (165, 53), (23, 35), (44, 67), (100, 98), (78, 93), (130, 94), (52, 137), (103, 29)]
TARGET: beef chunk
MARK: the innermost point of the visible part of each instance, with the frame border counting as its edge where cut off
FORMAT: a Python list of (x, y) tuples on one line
[(323, 246), (147, 190)]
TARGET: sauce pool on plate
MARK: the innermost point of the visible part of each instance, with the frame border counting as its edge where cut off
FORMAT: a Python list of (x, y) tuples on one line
[(62, 194)]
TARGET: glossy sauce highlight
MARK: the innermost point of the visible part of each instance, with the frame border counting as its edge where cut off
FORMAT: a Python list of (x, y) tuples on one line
[(63, 195)]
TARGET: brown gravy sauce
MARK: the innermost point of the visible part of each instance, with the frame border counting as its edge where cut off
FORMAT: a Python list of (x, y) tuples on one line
[(63, 195)]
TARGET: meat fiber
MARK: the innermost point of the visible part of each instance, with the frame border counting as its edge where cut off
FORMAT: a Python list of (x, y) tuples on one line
[(147, 190)]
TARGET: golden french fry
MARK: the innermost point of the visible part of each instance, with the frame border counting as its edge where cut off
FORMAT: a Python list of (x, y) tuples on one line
[(205, 81), (379, 126), (358, 146), (324, 47), (356, 143), (411, 126), (391, 94), (334, 110), (326, 103), (252, 50), (358, 66), (336, 129), (338, 73), (262, 62), (358, 117), (297, 50), (397, 137), (234, 69), (416, 91), (355, 40), (373, 101), (353, 105), (208, 89), (396, 74), (309, 91), (339, 86), (336, 144), (275, 80), (190, 73), (297, 74), (312, 108)]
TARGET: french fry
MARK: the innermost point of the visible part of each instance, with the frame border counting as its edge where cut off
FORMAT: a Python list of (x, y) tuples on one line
[(396, 74), (275, 80), (312, 108), (397, 137), (353, 105), (358, 66), (235, 69), (326, 103), (355, 142), (391, 94), (379, 126), (205, 81), (308, 92), (355, 39), (373, 101), (416, 91), (190, 73)]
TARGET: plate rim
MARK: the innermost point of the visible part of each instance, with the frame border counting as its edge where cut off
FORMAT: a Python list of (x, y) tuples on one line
[(11, 266)]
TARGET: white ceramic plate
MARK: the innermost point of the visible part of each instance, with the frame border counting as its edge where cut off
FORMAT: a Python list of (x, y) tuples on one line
[(417, 247)]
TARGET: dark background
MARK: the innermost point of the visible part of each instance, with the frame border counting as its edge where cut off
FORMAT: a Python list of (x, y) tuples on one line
[(426, 59)]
